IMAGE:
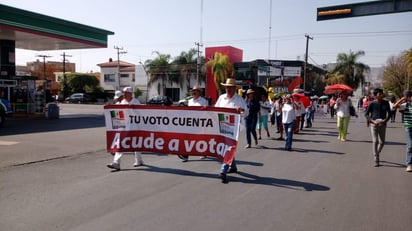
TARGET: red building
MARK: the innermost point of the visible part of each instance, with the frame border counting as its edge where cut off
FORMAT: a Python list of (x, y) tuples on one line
[(234, 54)]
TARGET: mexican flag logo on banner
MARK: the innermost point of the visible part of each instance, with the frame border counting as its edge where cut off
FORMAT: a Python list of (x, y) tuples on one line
[(227, 124), (117, 118)]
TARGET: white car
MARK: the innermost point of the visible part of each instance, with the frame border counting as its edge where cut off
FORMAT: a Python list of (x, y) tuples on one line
[(185, 101)]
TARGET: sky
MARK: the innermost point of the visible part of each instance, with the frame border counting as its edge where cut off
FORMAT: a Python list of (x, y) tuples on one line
[(261, 29)]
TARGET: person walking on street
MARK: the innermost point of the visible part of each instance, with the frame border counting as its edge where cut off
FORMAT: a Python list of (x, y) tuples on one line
[(331, 105), (251, 119), (393, 110), (118, 97), (405, 104), (342, 105), (196, 100), (264, 115), (289, 120), (130, 100), (231, 100), (279, 124), (377, 114), (300, 112)]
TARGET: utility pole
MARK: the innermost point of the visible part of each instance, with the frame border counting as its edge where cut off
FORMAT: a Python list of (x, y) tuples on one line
[(119, 51), (198, 62), (64, 75), (306, 61), (270, 29), (44, 64)]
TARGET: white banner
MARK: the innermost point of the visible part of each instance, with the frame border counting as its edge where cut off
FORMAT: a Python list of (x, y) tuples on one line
[(199, 131)]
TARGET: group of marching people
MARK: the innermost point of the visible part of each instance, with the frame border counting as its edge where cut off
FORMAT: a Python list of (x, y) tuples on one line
[(289, 115)]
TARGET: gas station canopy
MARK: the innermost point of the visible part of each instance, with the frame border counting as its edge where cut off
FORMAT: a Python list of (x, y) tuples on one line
[(33, 31)]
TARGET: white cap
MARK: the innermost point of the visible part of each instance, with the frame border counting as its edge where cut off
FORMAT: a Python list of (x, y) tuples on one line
[(117, 95), (128, 89)]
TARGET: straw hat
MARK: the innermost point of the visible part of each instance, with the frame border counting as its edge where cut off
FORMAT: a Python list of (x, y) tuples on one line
[(195, 88), (249, 91), (230, 82)]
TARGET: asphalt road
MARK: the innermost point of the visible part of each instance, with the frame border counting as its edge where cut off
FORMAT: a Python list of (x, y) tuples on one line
[(53, 177)]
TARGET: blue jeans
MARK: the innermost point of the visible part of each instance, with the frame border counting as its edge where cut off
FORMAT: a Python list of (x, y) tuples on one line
[(225, 167), (378, 139), (309, 119), (289, 128), (250, 124), (408, 133)]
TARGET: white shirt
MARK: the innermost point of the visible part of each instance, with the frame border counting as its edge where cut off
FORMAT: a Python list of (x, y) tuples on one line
[(134, 101), (288, 113), (235, 102), (200, 101), (343, 109), (265, 107)]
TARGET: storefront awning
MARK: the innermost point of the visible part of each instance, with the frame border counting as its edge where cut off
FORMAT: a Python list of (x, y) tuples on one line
[(33, 31)]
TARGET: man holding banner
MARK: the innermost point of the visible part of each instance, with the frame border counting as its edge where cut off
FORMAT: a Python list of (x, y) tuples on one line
[(197, 100), (231, 100), (130, 100)]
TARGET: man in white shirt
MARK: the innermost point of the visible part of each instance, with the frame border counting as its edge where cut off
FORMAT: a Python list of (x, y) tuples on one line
[(128, 99), (231, 100), (197, 100)]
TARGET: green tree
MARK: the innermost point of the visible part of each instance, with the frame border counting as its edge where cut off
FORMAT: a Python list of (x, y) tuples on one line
[(408, 57), (158, 70), (83, 83), (137, 92), (351, 69), (221, 69), (395, 75)]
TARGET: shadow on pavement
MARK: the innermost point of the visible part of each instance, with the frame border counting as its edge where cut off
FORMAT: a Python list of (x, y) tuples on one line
[(284, 183), (245, 178), (17, 126), (391, 164)]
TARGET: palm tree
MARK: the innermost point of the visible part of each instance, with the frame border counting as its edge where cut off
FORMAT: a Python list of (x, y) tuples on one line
[(334, 78), (158, 69), (221, 69), (184, 66), (352, 70)]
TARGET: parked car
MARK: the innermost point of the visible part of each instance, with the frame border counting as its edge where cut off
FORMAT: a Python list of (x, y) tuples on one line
[(79, 98), (160, 100), (185, 101), (5, 110)]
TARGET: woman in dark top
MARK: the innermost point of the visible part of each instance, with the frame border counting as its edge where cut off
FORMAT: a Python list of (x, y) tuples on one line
[(251, 120)]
